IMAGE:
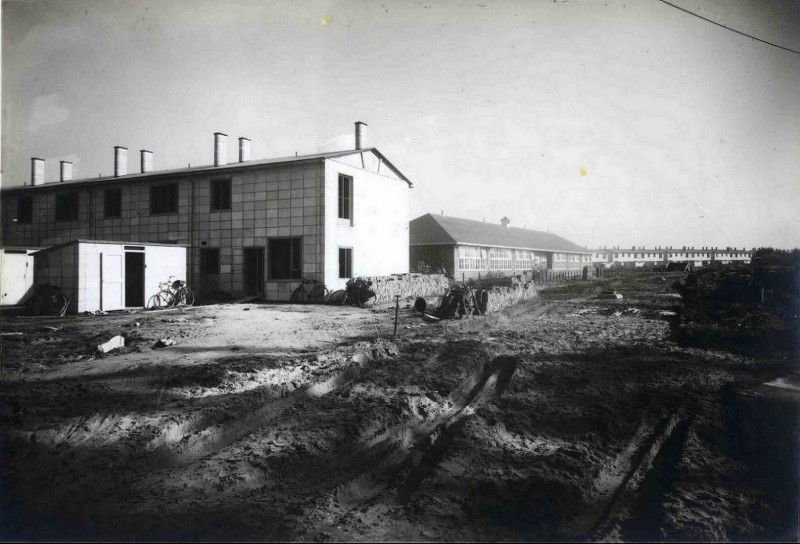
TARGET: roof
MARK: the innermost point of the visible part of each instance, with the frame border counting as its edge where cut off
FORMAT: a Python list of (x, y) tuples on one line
[(115, 242), (432, 229), (218, 169)]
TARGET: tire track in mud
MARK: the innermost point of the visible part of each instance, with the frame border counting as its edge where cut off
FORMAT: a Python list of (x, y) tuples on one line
[(190, 441), (404, 456), (629, 495)]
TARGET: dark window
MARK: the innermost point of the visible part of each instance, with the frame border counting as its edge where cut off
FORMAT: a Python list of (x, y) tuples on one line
[(209, 261), (67, 206), (113, 202), (345, 197), (285, 258), (220, 194), (164, 198), (345, 262), (24, 209)]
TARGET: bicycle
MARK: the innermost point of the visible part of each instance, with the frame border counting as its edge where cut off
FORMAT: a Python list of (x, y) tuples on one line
[(172, 293), (48, 300), (310, 291)]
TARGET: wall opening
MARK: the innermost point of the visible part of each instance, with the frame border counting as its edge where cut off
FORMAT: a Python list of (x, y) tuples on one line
[(134, 279), (254, 270)]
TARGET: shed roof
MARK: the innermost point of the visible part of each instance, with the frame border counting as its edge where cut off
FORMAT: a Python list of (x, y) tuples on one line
[(211, 168), (432, 229), (115, 242)]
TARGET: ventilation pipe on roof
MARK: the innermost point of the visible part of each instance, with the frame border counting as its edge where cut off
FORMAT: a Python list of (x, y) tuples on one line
[(220, 149), (146, 160), (361, 135), (505, 221), (66, 171), (120, 161), (244, 149), (37, 171)]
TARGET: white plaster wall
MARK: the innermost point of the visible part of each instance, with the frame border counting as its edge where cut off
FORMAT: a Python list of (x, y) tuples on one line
[(160, 263), (379, 231)]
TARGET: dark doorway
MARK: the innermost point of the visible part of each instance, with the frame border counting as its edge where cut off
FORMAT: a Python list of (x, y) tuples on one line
[(254, 270), (134, 279)]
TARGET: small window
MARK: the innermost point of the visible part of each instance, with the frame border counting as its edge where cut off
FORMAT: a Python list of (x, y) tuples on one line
[(285, 258), (112, 202), (67, 206), (220, 194), (24, 209), (345, 262), (164, 198), (345, 197), (209, 261)]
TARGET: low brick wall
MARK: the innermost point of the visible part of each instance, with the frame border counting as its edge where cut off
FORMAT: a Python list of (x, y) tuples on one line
[(500, 297), (408, 285)]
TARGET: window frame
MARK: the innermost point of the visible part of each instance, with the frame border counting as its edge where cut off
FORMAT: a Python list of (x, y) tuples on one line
[(27, 217), (157, 186), (75, 216), (295, 254), (348, 251), (118, 203), (212, 192), (345, 203)]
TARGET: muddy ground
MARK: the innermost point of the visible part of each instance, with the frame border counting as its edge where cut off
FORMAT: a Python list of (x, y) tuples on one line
[(564, 417)]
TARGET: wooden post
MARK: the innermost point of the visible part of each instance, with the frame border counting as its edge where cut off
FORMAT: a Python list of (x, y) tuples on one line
[(396, 311)]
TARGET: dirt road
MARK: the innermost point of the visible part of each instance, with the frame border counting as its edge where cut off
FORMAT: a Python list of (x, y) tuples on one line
[(564, 417)]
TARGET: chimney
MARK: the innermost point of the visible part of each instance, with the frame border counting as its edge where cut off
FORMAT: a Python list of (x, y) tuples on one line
[(361, 135), (66, 171), (120, 161), (505, 221), (220, 149), (146, 160), (244, 149), (37, 171)]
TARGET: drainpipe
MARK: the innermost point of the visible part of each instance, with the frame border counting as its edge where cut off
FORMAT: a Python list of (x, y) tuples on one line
[(191, 236)]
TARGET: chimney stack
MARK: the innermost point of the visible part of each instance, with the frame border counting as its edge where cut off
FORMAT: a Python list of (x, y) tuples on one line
[(220, 149), (66, 171), (146, 160), (37, 171), (361, 135), (505, 221), (120, 161), (244, 149)]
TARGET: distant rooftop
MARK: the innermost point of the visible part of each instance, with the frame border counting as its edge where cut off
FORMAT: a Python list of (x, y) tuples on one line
[(432, 229)]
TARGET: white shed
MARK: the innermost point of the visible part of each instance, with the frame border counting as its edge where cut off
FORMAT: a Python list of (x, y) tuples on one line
[(16, 275), (108, 275)]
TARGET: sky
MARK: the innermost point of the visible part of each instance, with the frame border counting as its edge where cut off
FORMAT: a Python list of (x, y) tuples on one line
[(607, 122)]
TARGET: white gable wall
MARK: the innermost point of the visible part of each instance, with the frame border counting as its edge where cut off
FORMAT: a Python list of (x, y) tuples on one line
[(378, 235)]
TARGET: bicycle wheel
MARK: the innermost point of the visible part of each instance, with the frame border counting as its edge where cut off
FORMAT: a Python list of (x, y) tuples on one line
[(298, 295), (55, 304), (188, 296), (337, 298), (319, 293)]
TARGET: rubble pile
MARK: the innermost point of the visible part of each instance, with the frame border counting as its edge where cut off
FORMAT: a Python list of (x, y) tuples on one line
[(752, 309), (407, 285)]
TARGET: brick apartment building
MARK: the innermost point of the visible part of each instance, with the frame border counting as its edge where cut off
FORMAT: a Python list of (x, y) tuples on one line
[(254, 226)]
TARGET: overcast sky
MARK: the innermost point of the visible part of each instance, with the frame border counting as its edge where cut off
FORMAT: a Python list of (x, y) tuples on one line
[(607, 122)]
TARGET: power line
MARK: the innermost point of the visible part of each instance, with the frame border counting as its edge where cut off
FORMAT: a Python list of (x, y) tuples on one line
[(729, 28)]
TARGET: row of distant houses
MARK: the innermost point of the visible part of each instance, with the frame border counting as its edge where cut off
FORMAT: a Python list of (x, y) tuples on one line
[(246, 227), (637, 257)]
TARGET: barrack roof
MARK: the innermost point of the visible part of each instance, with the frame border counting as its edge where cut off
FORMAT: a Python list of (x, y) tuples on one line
[(432, 229)]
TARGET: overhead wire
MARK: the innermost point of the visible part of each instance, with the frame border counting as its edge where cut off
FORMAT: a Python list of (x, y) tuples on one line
[(796, 52)]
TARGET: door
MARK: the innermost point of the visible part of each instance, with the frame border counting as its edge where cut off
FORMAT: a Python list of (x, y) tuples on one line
[(254, 270), (112, 287), (134, 279)]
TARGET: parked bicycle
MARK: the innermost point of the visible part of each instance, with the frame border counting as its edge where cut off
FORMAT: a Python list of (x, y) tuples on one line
[(47, 300), (171, 294), (310, 291)]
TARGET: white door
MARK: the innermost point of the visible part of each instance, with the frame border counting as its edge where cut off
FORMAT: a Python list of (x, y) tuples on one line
[(17, 277), (112, 293)]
